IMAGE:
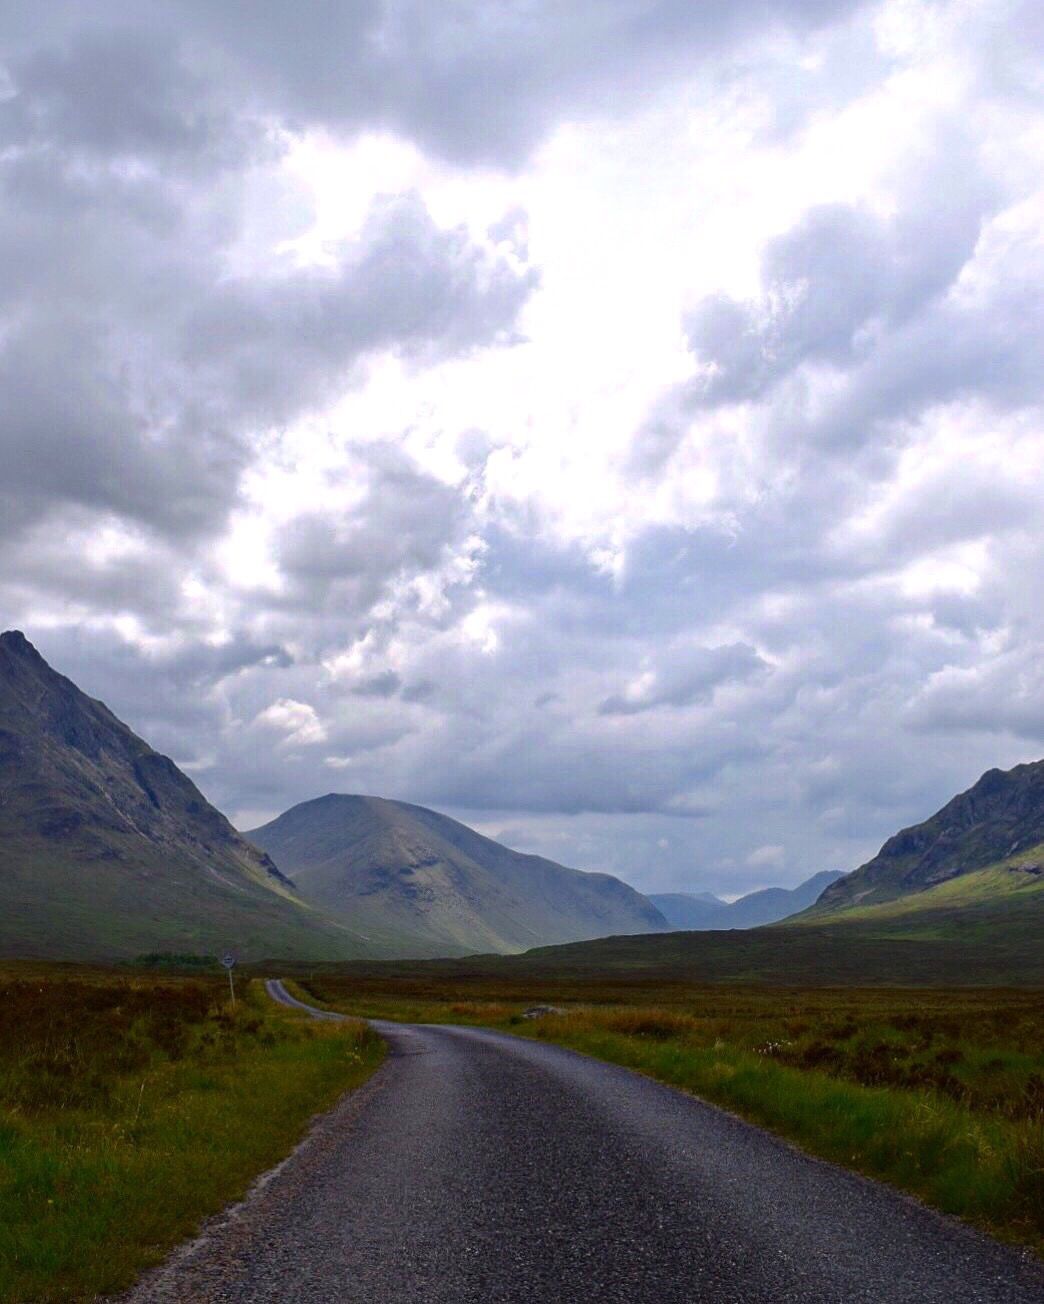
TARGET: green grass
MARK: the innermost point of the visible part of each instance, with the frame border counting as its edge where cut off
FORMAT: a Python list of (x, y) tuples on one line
[(940, 1093), (1011, 887), (131, 1108)]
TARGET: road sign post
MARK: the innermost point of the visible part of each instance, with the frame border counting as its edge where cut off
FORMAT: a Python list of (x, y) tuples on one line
[(229, 961)]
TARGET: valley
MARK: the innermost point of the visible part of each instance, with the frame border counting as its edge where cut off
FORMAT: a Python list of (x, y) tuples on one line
[(686, 910), (108, 852), (888, 1020)]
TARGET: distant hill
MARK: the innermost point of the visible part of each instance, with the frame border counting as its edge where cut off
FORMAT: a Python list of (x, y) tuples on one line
[(999, 819), (689, 909), (411, 876), (958, 899), (107, 850), (968, 932), (988, 939), (992, 943), (685, 910)]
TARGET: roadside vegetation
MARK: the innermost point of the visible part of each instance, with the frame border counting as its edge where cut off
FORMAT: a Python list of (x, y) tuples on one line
[(940, 1093), (133, 1106)]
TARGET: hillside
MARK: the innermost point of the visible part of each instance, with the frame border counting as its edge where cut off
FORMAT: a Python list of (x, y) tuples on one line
[(1000, 817), (403, 872), (690, 911), (971, 937), (107, 850)]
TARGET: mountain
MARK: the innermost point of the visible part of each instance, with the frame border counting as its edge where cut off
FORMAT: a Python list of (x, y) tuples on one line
[(957, 900), (997, 822), (403, 872), (774, 903), (107, 850), (688, 911)]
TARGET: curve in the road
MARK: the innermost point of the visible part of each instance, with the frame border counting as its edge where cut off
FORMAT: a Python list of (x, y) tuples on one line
[(477, 1166), (276, 988)]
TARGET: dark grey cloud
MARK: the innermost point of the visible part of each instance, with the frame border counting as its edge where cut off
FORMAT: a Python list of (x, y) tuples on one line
[(477, 82), (473, 82), (386, 683), (121, 93), (137, 368)]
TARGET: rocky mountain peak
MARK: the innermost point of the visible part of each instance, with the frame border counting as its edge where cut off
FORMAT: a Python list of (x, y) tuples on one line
[(15, 644), (1000, 814)]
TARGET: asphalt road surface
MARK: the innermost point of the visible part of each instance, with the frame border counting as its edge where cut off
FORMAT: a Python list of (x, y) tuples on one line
[(476, 1166)]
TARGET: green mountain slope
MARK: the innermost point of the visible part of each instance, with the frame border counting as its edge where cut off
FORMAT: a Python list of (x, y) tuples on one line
[(1000, 817), (107, 850), (402, 871), (702, 911)]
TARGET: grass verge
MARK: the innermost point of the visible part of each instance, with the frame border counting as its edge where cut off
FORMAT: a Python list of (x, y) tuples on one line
[(940, 1093), (131, 1108)]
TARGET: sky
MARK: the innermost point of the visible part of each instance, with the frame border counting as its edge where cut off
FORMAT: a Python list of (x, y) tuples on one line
[(615, 424)]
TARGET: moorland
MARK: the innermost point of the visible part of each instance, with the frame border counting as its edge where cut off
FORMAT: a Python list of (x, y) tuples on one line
[(133, 1104)]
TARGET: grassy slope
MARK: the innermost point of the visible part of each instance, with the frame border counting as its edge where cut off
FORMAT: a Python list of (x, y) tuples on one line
[(55, 908), (122, 1125), (1003, 812), (1009, 891), (976, 950), (937, 1092)]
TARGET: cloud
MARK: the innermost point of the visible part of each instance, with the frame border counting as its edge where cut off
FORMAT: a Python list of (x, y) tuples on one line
[(403, 524), (297, 720), (687, 676), (834, 285), (767, 857), (480, 84), (140, 366), (859, 321), (616, 423)]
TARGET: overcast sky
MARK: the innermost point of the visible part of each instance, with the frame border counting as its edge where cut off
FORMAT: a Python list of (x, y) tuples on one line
[(615, 423)]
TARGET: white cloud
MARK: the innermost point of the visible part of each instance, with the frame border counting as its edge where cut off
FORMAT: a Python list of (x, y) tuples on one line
[(297, 720), (767, 857)]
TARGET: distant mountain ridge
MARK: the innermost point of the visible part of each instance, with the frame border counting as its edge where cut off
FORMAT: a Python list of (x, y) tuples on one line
[(108, 850), (702, 911), (1000, 817), (957, 899), (403, 873)]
